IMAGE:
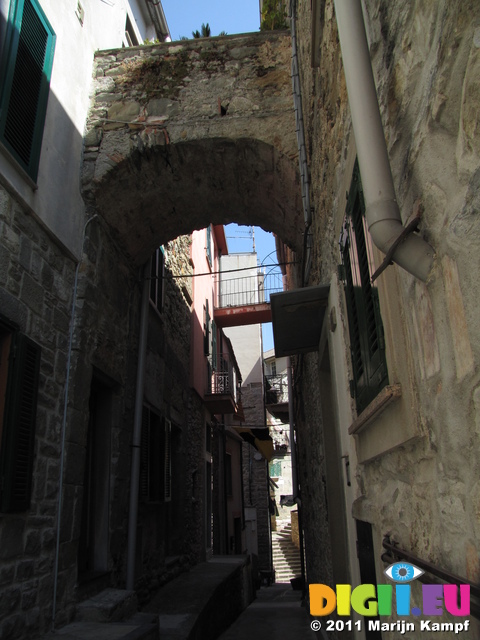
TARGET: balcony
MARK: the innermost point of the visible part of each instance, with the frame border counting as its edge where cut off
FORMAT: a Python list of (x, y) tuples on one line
[(222, 395), (246, 300), (276, 396)]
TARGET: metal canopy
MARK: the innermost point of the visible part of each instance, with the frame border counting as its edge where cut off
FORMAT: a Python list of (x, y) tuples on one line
[(297, 318)]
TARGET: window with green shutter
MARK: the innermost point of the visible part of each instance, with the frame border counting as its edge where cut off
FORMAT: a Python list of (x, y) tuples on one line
[(214, 345), (155, 458), (25, 71), (19, 376), (157, 276), (207, 328), (365, 323)]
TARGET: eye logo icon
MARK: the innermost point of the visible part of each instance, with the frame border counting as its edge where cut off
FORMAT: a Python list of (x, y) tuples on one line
[(403, 572)]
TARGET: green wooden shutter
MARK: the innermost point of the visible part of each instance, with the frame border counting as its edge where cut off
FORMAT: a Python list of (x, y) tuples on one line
[(214, 345), (206, 328), (365, 323), (26, 71), (18, 439)]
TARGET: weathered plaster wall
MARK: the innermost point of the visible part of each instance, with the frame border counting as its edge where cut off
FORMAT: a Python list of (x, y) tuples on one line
[(426, 65)]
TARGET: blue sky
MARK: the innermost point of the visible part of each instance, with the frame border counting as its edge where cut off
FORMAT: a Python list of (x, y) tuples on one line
[(185, 16)]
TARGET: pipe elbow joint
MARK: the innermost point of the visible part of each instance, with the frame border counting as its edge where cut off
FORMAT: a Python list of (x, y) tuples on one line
[(413, 254)]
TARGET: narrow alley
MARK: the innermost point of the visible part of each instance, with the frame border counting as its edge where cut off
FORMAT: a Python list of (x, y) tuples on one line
[(168, 467)]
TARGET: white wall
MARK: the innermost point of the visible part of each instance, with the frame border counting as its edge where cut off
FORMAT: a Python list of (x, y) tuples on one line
[(56, 199), (246, 341)]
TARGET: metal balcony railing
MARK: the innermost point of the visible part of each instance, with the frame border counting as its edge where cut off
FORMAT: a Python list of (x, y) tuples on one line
[(223, 378), (276, 389), (254, 288)]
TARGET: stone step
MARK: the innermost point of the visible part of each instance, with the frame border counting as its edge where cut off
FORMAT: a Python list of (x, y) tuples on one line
[(287, 559), (290, 557), (286, 553), (285, 570), (135, 629), (285, 563), (289, 570), (110, 605)]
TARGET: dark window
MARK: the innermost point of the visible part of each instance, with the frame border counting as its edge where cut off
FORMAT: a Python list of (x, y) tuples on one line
[(167, 494), (19, 376), (228, 474), (130, 36), (26, 70), (157, 278), (364, 320), (155, 458)]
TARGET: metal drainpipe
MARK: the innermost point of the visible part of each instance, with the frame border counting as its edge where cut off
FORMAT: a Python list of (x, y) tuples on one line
[(293, 452), (382, 211), (302, 150), (137, 431), (64, 425)]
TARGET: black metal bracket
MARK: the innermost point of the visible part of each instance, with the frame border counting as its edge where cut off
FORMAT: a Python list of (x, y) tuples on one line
[(407, 230)]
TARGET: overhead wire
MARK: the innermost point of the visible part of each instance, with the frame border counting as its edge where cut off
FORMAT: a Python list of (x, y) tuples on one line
[(214, 273)]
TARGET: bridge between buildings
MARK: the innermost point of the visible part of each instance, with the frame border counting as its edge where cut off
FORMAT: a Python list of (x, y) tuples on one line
[(185, 134)]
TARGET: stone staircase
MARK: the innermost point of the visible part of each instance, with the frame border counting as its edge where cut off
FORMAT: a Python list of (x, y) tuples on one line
[(286, 556)]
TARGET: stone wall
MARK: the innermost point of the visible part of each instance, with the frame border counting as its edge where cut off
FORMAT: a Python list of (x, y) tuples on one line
[(106, 345), (161, 112), (36, 288), (255, 479), (413, 468)]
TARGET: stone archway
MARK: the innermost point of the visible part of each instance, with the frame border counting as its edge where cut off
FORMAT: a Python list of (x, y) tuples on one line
[(185, 134)]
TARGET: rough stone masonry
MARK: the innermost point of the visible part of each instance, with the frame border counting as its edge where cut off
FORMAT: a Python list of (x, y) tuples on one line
[(186, 132)]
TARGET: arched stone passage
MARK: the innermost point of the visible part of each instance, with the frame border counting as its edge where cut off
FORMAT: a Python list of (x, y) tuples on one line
[(189, 133), (164, 191)]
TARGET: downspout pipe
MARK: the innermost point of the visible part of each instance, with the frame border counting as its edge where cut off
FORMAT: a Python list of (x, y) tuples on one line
[(382, 211), (291, 419), (302, 149), (64, 423), (137, 431)]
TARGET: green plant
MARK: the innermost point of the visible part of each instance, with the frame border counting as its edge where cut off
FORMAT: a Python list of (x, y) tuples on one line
[(204, 33), (273, 15)]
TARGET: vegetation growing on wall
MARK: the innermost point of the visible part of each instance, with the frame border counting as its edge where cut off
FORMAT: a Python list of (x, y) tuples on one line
[(204, 33), (159, 77), (273, 15)]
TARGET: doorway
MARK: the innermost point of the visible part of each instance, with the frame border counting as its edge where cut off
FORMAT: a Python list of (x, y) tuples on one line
[(94, 532)]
